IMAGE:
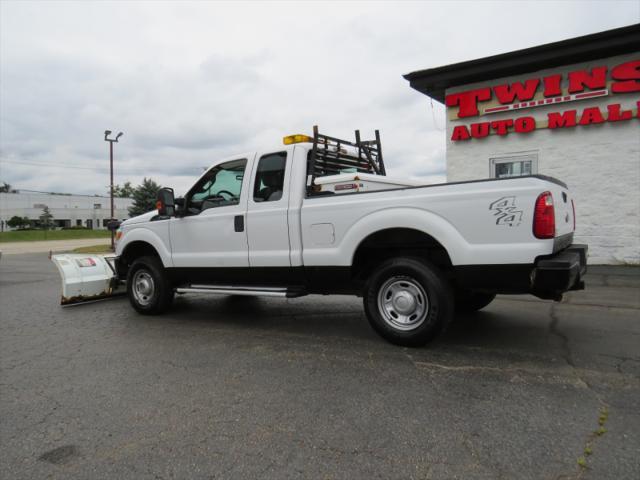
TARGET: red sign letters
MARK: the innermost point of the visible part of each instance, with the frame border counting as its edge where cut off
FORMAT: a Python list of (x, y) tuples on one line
[(581, 84)]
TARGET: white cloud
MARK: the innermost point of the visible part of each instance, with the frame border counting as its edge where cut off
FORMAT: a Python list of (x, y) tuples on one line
[(192, 82)]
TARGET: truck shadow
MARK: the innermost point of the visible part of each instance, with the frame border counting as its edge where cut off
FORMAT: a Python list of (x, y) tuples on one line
[(316, 317), (321, 319)]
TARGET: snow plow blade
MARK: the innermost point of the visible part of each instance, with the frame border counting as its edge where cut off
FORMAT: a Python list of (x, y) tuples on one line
[(86, 277)]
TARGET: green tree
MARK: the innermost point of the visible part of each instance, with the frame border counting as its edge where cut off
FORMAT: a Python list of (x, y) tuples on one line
[(16, 221), (144, 197), (6, 188), (124, 191), (46, 219)]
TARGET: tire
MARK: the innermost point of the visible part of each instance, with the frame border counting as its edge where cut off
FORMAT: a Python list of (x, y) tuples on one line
[(469, 302), (148, 288), (408, 301)]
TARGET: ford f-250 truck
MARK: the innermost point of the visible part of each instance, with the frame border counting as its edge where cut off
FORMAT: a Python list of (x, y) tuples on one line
[(319, 216)]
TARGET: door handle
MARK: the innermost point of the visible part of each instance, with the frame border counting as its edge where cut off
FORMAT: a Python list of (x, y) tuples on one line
[(238, 223)]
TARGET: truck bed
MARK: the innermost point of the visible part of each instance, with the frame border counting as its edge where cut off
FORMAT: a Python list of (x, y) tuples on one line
[(481, 221)]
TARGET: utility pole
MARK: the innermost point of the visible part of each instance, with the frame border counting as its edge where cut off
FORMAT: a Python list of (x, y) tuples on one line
[(111, 142)]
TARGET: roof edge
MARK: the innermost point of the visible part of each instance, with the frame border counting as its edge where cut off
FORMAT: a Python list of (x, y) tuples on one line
[(434, 81)]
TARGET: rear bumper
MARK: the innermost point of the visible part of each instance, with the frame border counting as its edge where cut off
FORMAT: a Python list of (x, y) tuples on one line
[(559, 273)]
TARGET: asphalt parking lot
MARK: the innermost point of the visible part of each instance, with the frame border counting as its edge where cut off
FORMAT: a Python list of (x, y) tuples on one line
[(231, 387)]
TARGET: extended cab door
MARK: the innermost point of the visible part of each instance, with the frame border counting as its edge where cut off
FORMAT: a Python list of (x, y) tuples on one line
[(212, 232), (267, 224)]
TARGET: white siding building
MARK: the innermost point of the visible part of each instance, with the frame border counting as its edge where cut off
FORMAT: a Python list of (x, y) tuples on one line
[(67, 210), (569, 110)]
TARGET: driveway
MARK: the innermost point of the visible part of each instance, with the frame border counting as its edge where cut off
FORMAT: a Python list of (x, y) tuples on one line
[(13, 248), (227, 387)]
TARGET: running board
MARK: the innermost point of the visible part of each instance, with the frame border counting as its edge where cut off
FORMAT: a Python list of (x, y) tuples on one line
[(256, 291)]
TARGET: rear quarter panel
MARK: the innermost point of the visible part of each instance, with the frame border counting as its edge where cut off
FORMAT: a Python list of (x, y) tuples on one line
[(487, 222)]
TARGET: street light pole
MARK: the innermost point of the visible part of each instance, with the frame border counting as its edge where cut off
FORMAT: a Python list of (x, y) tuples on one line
[(111, 142)]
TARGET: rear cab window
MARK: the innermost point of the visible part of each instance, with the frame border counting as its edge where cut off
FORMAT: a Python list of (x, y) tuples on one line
[(269, 181)]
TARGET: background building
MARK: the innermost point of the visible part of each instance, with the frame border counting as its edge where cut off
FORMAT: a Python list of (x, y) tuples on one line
[(569, 110), (68, 210)]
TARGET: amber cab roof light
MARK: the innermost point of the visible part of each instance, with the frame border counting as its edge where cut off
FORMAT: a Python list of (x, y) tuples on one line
[(297, 138)]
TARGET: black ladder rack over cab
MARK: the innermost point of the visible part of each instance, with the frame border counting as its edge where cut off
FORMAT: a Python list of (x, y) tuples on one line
[(332, 156)]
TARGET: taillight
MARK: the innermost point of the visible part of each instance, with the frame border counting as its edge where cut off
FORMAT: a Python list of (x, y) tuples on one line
[(544, 218), (573, 208)]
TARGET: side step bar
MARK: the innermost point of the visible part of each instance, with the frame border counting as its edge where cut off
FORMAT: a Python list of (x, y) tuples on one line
[(257, 291)]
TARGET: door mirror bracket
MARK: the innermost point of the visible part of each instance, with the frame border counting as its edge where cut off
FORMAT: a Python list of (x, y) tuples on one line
[(179, 206)]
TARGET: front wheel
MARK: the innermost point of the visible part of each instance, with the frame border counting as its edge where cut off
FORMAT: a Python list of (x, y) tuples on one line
[(148, 288), (408, 301)]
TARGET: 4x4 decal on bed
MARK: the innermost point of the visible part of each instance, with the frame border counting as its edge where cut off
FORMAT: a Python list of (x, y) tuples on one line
[(506, 211)]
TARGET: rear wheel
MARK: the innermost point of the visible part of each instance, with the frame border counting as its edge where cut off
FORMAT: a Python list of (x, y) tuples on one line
[(408, 301), (148, 288), (467, 301)]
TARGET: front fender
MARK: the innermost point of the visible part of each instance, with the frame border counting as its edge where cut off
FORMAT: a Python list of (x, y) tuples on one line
[(143, 234)]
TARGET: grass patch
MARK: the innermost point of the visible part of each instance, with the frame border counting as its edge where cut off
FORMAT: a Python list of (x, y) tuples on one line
[(94, 249), (603, 415), (39, 235)]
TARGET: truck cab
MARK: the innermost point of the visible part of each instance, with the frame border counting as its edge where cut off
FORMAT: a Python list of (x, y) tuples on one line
[(242, 212)]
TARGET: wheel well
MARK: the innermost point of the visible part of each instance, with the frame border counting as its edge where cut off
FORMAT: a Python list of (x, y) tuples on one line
[(394, 242), (132, 252)]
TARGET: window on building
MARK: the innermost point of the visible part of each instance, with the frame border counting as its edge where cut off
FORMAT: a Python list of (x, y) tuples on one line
[(270, 178), (514, 165), (97, 206), (78, 223)]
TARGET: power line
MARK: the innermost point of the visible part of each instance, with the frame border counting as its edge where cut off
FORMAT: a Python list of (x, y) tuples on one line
[(57, 165), (80, 167)]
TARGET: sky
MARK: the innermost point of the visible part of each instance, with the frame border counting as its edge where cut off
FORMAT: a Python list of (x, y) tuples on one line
[(193, 82)]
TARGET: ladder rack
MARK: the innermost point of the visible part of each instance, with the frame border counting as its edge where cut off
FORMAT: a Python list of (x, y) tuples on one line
[(330, 156)]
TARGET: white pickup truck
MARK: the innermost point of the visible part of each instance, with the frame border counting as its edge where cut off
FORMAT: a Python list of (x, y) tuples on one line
[(319, 216)]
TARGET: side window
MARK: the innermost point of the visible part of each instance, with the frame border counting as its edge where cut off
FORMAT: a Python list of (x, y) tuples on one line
[(220, 187), (269, 182)]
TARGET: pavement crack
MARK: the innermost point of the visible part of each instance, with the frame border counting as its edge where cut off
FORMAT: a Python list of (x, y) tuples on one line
[(603, 405), (620, 361), (564, 339)]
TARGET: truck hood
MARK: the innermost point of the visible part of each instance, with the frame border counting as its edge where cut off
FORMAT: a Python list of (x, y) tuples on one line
[(145, 217)]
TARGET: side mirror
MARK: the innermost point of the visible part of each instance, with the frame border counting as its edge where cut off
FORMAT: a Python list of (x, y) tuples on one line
[(113, 225), (165, 203)]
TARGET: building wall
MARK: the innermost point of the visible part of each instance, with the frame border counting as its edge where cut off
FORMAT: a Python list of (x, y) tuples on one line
[(600, 163), (67, 210)]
